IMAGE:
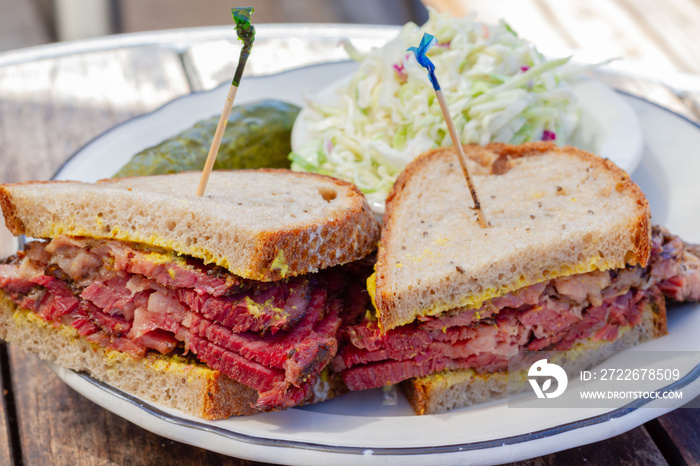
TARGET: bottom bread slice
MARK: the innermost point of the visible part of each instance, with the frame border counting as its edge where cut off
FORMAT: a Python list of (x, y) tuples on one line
[(172, 381), (452, 389)]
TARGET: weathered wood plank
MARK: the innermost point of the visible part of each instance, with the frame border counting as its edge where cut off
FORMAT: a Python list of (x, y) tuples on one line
[(651, 33), (671, 26), (631, 448), (50, 108), (21, 25), (161, 14), (59, 426), (272, 55), (8, 450), (635, 34), (678, 434)]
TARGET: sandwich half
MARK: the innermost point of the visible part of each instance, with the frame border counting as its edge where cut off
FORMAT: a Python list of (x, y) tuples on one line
[(569, 262), (220, 305)]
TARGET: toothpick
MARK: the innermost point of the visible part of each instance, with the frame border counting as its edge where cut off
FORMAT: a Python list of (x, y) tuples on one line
[(426, 42), (460, 155), (216, 143), (246, 33)]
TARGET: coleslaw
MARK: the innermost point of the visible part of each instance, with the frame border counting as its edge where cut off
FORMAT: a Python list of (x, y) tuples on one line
[(498, 87)]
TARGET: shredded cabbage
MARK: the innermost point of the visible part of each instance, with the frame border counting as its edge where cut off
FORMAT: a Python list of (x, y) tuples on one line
[(498, 87)]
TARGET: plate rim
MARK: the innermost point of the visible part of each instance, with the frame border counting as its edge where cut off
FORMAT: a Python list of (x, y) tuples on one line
[(491, 444)]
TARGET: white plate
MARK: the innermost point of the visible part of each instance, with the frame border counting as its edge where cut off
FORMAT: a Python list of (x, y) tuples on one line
[(608, 125), (359, 428)]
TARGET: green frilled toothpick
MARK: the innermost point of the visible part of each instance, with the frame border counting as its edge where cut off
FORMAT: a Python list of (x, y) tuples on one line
[(420, 52), (246, 34)]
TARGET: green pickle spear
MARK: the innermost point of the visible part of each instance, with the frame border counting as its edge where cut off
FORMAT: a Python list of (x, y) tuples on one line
[(258, 135)]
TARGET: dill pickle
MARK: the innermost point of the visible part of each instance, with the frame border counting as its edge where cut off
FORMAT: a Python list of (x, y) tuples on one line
[(258, 135)]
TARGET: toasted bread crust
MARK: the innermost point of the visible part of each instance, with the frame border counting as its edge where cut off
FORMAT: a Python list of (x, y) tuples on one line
[(192, 388), (313, 222), (12, 219), (400, 304), (355, 226), (444, 391)]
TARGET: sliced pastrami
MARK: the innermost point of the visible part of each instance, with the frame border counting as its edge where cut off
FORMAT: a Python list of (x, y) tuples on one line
[(552, 315), (182, 274), (112, 293), (269, 308), (58, 300), (274, 337), (299, 352), (274, 392), (390, 372)]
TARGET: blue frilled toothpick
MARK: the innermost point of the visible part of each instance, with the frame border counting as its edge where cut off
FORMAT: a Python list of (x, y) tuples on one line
[(246, 34), (420, 52)]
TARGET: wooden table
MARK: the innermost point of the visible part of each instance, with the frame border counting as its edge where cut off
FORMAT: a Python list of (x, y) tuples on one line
[(57, 98)]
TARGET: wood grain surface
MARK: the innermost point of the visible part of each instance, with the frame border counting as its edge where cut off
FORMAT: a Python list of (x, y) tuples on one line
[(50, 108), (59, 426), (655, 34)]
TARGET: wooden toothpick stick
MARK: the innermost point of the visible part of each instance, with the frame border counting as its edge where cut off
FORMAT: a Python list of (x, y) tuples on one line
[(216, 142), (246, 33), (462, 158), (426, 42)]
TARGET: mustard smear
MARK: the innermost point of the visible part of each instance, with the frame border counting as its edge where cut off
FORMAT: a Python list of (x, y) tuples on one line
[(280, 264), (372, 288)]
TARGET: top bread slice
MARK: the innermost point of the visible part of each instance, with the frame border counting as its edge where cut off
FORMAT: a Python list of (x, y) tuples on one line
[(552, 211), (259, 224)]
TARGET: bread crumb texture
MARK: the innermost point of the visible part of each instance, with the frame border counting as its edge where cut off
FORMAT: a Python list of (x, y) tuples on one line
[(259, 224), (551, 211), (173, 382)]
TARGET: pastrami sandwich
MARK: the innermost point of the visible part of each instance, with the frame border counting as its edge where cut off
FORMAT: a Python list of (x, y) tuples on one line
[(219, 305), (569, 262)]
